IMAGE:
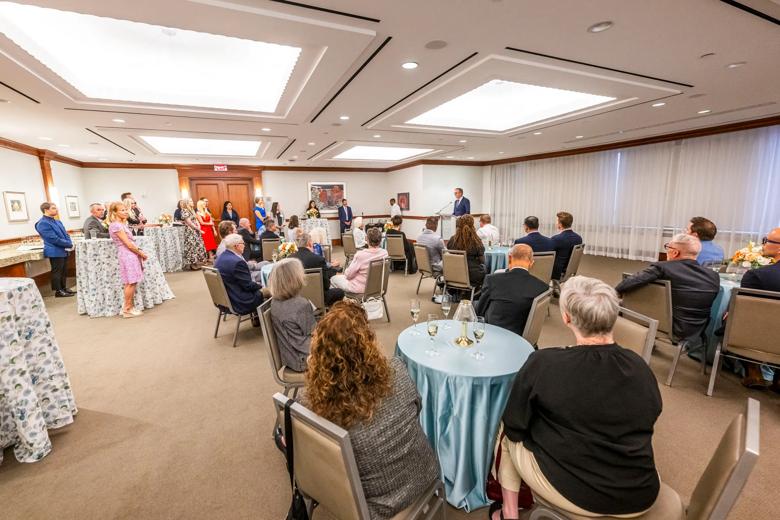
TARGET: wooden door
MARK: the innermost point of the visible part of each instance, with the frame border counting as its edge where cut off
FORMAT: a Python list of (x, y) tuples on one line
[(237, 191), (240, 194)]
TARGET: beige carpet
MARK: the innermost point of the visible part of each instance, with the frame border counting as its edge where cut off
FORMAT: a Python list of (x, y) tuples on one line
[(176, 424)]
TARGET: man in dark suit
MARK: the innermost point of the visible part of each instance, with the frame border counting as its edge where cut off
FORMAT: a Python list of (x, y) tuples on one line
[(533, 238), (345, 216), (564, 243), (462, 205), (253, 249), (311, 260), (95, 221), (507, 297), (56, 243), (694, 288), (245, 295)]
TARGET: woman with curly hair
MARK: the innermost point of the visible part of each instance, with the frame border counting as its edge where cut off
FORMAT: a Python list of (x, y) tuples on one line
[(351, 383), (466, 239)]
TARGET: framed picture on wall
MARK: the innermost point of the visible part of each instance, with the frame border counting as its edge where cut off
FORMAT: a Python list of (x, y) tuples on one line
[(16, 206), (72, 206), (327, 195), (403, 201)]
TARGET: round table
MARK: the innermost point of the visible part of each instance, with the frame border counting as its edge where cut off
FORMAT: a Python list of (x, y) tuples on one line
[(35, 392), (265, 273), (462, 400), (496, 257), (316, 223), (168, 244)]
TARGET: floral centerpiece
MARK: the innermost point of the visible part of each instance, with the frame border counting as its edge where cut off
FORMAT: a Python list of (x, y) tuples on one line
[(750, 257), (287, 249), (311, 213), (388, 225), (165, 219)]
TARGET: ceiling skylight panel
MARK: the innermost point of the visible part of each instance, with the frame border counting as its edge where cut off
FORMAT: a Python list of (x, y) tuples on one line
[(200, 146), (380, 153)]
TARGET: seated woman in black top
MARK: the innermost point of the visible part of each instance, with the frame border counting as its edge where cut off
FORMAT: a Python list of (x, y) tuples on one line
[(411, 260), (579, 420), (466, 239)]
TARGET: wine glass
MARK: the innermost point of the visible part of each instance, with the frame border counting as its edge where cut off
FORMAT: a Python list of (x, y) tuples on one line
[(433, 329), (414, 309), (274, 256), (479, 334), (446, 305)]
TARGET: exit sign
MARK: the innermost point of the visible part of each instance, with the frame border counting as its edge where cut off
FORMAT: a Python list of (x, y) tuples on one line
[(220, 168)]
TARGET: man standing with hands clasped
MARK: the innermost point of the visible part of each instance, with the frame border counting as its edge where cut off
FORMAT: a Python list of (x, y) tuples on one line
[(345, 216), (56, 243), (462, 204)]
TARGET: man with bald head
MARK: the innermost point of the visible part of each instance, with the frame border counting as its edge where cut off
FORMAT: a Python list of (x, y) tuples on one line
[(694, 287), (506, 298)]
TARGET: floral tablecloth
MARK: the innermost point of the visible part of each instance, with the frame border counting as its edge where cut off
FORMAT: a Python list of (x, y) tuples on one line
[(318, 223), (168, 244), (35, 393), (100, 286)]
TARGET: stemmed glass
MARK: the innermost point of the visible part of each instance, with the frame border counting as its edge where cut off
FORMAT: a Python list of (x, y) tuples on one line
[(414, 309), (479, 334), (433, 329), (446, 305)]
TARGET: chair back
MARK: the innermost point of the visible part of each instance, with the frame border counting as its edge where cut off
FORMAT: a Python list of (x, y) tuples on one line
[(653, 300), (269, 246), (270, 338), (543, 266), (535, 320), (324, 463), (753, 327), (348, 242), (574, 262), (423, 259), (635, 332), (395, 247), (730, 466), (456, 269), (378, 276), (327, 251), (219, 295), (313, 289)]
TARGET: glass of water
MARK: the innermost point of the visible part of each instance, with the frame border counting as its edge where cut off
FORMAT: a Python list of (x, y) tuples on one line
[(446, 305), (479, 334), (414, 309), (433, 329)]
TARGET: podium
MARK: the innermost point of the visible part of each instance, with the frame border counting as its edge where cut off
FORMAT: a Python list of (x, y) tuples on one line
[(446, 225)]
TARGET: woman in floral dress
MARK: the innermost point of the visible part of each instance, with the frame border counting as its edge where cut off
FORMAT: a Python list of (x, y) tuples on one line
[(130, 256), (207, 226), (194, 252)]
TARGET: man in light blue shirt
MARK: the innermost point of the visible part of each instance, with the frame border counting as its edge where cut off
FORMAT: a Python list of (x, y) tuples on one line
[(432, 242), (705, 230)]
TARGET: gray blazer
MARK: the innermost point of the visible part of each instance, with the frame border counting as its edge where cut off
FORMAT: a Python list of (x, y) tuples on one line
[(293, 321), (93, 222)]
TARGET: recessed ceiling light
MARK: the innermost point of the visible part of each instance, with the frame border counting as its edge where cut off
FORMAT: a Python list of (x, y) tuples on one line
[(198, 146), (463, 141), (377, 136), (45, 138), (118, 120), (344, 118), (470, 157), (537, 133), (294, 156), (656, 105), (600, 27), (380, 153), (500, 105), (265, 129), (706, 111), (312, 143), (4, 101), (735, 64), (500, 153), (579, 136), (449, 157), (168, 123), (259, 71), (64, 145), (409, 65), (436, 44)]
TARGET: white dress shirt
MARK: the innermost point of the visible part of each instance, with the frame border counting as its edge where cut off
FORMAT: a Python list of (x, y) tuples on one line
[(360, 237), (395, 209), (488, 232)]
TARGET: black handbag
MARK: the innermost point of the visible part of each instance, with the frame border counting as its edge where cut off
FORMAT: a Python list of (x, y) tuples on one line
[(298, 510)]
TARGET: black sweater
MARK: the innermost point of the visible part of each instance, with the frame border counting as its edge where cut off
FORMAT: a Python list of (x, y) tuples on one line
[(587, 414)]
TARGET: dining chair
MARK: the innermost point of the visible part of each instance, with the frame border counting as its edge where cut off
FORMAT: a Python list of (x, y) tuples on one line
[(376, 284), (536, 316), (574, 262), (636, 332), (269, 246), (221, 301), (542, 267), (288, 379), (348, 243), (313, 289), (327, 252), (456, 272), (424, 267), (396, 251)]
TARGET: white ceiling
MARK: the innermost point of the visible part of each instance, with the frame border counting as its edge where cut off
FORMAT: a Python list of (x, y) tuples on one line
[(670, 51)]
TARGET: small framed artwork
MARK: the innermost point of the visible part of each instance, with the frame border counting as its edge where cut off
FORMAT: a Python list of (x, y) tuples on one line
[(72, 206), (327, 195), (403, 201), (16, 206)]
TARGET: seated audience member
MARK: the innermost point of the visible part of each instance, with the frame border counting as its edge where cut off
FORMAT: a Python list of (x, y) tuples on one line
[(310, 260), (292, 316), (705, 230), (358, 233), (292, 228), (269, 233), (397, 221), (318, 238), (466, 239), (376, 402), (253, 249), (694, 287), (564, 243), (244, 293), (97, 213), (538, 242), (226, 227), (585, 448), (506, 297), (765, 278), (356, 274), (432, 242), (487, 232)]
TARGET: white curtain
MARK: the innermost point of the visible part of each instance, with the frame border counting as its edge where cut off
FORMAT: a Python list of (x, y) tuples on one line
[(623, 200)]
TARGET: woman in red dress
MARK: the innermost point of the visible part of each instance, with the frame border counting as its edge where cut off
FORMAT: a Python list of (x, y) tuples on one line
[(207, 226)]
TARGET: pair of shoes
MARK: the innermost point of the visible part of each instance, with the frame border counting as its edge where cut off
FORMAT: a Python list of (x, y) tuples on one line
[(279, 440), (63, 294), (496, 506), (255, 320), (69, 291), (753, 377), (133, 313)]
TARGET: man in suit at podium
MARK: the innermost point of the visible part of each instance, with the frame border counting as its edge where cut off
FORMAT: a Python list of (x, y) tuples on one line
[(462, 204), (345, 216)]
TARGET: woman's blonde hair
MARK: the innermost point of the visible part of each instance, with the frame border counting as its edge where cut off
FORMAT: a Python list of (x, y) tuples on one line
[(347, 375), (113, 209), (202, 208), (287, 279)]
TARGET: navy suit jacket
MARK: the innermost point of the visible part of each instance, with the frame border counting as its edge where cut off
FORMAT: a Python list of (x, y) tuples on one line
[(244, 294), (537, 241), (765, 278), (345, 214), (461, 208), (564, 243), (55, 239)]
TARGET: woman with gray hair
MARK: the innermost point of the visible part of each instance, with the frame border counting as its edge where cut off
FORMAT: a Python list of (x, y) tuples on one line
[(579, 419), (292, 315)]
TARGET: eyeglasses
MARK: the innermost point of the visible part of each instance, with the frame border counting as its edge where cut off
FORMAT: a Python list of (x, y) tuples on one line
[(669, 245), (766, 239)]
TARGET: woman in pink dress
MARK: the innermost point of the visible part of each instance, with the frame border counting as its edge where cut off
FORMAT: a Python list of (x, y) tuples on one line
[(130, 257)]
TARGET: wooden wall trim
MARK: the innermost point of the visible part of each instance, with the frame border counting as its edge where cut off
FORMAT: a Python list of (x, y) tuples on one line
[(44, 159), (19, 147)]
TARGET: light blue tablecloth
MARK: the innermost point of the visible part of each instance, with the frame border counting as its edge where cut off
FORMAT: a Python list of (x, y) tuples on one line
[(719, 307), (462, 401), (265, 273), (495, 258)]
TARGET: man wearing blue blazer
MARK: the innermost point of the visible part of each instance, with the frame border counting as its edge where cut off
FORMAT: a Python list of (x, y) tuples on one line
[(345, 216), (538, 242), (462, 204), (245, 295), (56, 242), (564, 243)]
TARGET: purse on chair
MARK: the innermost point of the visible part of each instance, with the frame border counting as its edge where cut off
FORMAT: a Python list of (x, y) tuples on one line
[(525, 498), (298, 510)]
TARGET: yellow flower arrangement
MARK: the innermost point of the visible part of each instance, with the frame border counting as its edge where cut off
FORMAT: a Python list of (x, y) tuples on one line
[(388, 225), (165, 218), (287, 249), (750, 257)]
